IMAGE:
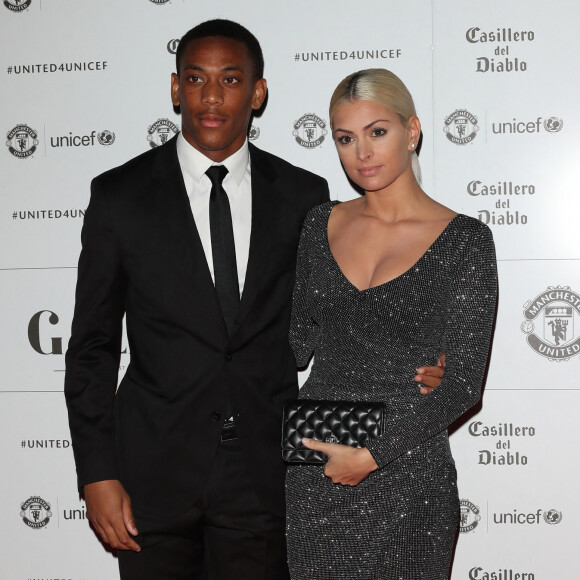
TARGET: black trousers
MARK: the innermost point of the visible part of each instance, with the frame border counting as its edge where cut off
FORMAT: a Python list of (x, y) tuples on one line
[(226, 535)]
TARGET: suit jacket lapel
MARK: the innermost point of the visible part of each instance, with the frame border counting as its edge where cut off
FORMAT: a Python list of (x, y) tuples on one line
[(173, 202), (265, 218)]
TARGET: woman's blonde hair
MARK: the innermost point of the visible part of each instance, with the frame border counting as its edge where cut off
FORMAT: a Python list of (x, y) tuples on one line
[(382, 87)]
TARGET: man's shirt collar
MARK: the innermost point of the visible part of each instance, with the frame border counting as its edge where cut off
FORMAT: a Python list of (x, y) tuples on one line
[(195, 163)]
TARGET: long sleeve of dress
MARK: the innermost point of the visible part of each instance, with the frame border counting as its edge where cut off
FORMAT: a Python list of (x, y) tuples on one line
[(304, 331), (467, 332)]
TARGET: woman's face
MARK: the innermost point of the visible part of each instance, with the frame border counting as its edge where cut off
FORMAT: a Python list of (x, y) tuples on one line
[(373, 145)]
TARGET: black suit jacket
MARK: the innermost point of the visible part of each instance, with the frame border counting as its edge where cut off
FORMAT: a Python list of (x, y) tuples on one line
[(142, 257)]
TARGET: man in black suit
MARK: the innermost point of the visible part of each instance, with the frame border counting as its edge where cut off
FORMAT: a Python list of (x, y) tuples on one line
[(185, 457)]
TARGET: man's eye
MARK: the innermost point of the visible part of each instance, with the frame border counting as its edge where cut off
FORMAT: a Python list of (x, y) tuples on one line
[(231, 80)]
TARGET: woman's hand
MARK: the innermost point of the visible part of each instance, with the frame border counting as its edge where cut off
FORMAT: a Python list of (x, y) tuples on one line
[(431, 377), (346, 465)]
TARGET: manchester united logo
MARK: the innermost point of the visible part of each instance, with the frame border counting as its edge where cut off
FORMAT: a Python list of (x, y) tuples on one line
[(17, 5), (309, 131), (160, 132), (470, 516), (253, 132), (461, 127), (35, 512), (550, 323), (22, 141)]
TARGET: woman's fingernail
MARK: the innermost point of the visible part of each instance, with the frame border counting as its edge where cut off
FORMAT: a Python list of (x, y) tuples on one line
[(305, 441)]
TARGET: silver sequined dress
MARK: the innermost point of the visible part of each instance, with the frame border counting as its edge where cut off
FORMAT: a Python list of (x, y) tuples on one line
[(399, 522)]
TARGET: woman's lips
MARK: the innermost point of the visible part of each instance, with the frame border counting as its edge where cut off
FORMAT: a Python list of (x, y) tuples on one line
[(369, 171)]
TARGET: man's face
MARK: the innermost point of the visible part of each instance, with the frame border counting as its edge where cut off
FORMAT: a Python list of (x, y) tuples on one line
[(217, 92)]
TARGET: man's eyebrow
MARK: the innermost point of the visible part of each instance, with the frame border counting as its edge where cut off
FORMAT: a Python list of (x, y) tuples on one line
[(225, 68)]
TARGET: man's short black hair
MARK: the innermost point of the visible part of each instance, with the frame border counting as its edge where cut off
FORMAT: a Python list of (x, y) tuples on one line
[(227, 29)]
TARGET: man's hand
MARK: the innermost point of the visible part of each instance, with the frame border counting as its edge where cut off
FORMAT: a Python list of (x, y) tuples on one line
[(345, 465), (109, 510), (431, 377)]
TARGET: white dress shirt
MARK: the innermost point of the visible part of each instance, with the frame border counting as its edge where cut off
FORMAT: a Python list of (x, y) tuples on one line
[(238, 186)]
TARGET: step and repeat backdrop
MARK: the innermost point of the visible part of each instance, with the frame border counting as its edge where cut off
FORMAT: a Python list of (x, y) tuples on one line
[(85, 87)]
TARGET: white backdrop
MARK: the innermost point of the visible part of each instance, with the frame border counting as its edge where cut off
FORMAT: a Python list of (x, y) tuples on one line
[(495, 85)]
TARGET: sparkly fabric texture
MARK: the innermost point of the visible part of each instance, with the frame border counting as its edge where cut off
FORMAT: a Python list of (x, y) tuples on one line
[(400, 522)]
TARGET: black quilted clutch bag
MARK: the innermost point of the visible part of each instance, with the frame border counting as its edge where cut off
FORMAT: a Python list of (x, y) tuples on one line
[(347, 422)]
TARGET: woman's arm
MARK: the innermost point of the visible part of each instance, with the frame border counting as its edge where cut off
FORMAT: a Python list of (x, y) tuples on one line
[(304, 331), (469, 321)]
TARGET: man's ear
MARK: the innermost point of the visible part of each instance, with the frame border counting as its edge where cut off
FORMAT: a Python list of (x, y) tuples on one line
[(260, 92), (175, 89)]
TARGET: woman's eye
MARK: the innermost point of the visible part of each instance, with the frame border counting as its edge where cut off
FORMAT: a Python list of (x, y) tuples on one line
[(344, 140), (378, 132)]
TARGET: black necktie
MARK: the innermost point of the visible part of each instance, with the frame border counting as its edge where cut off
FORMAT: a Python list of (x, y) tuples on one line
[(223, 247)]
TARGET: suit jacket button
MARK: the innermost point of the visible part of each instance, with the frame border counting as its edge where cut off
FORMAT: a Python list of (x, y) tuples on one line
[(228, 356), (215, 416)]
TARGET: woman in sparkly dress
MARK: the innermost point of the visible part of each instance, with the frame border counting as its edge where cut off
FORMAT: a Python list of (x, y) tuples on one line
[(384, 280)]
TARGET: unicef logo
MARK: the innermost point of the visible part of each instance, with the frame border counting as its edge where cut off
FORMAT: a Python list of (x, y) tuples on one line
[(22, 141), (469, 516), (160, 132), (17, 5), (461, 127), (172, 45), (309, 131), (552, 517), (253, 133), (106, 138), (551, 321), (35, 512), (553, 124)]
